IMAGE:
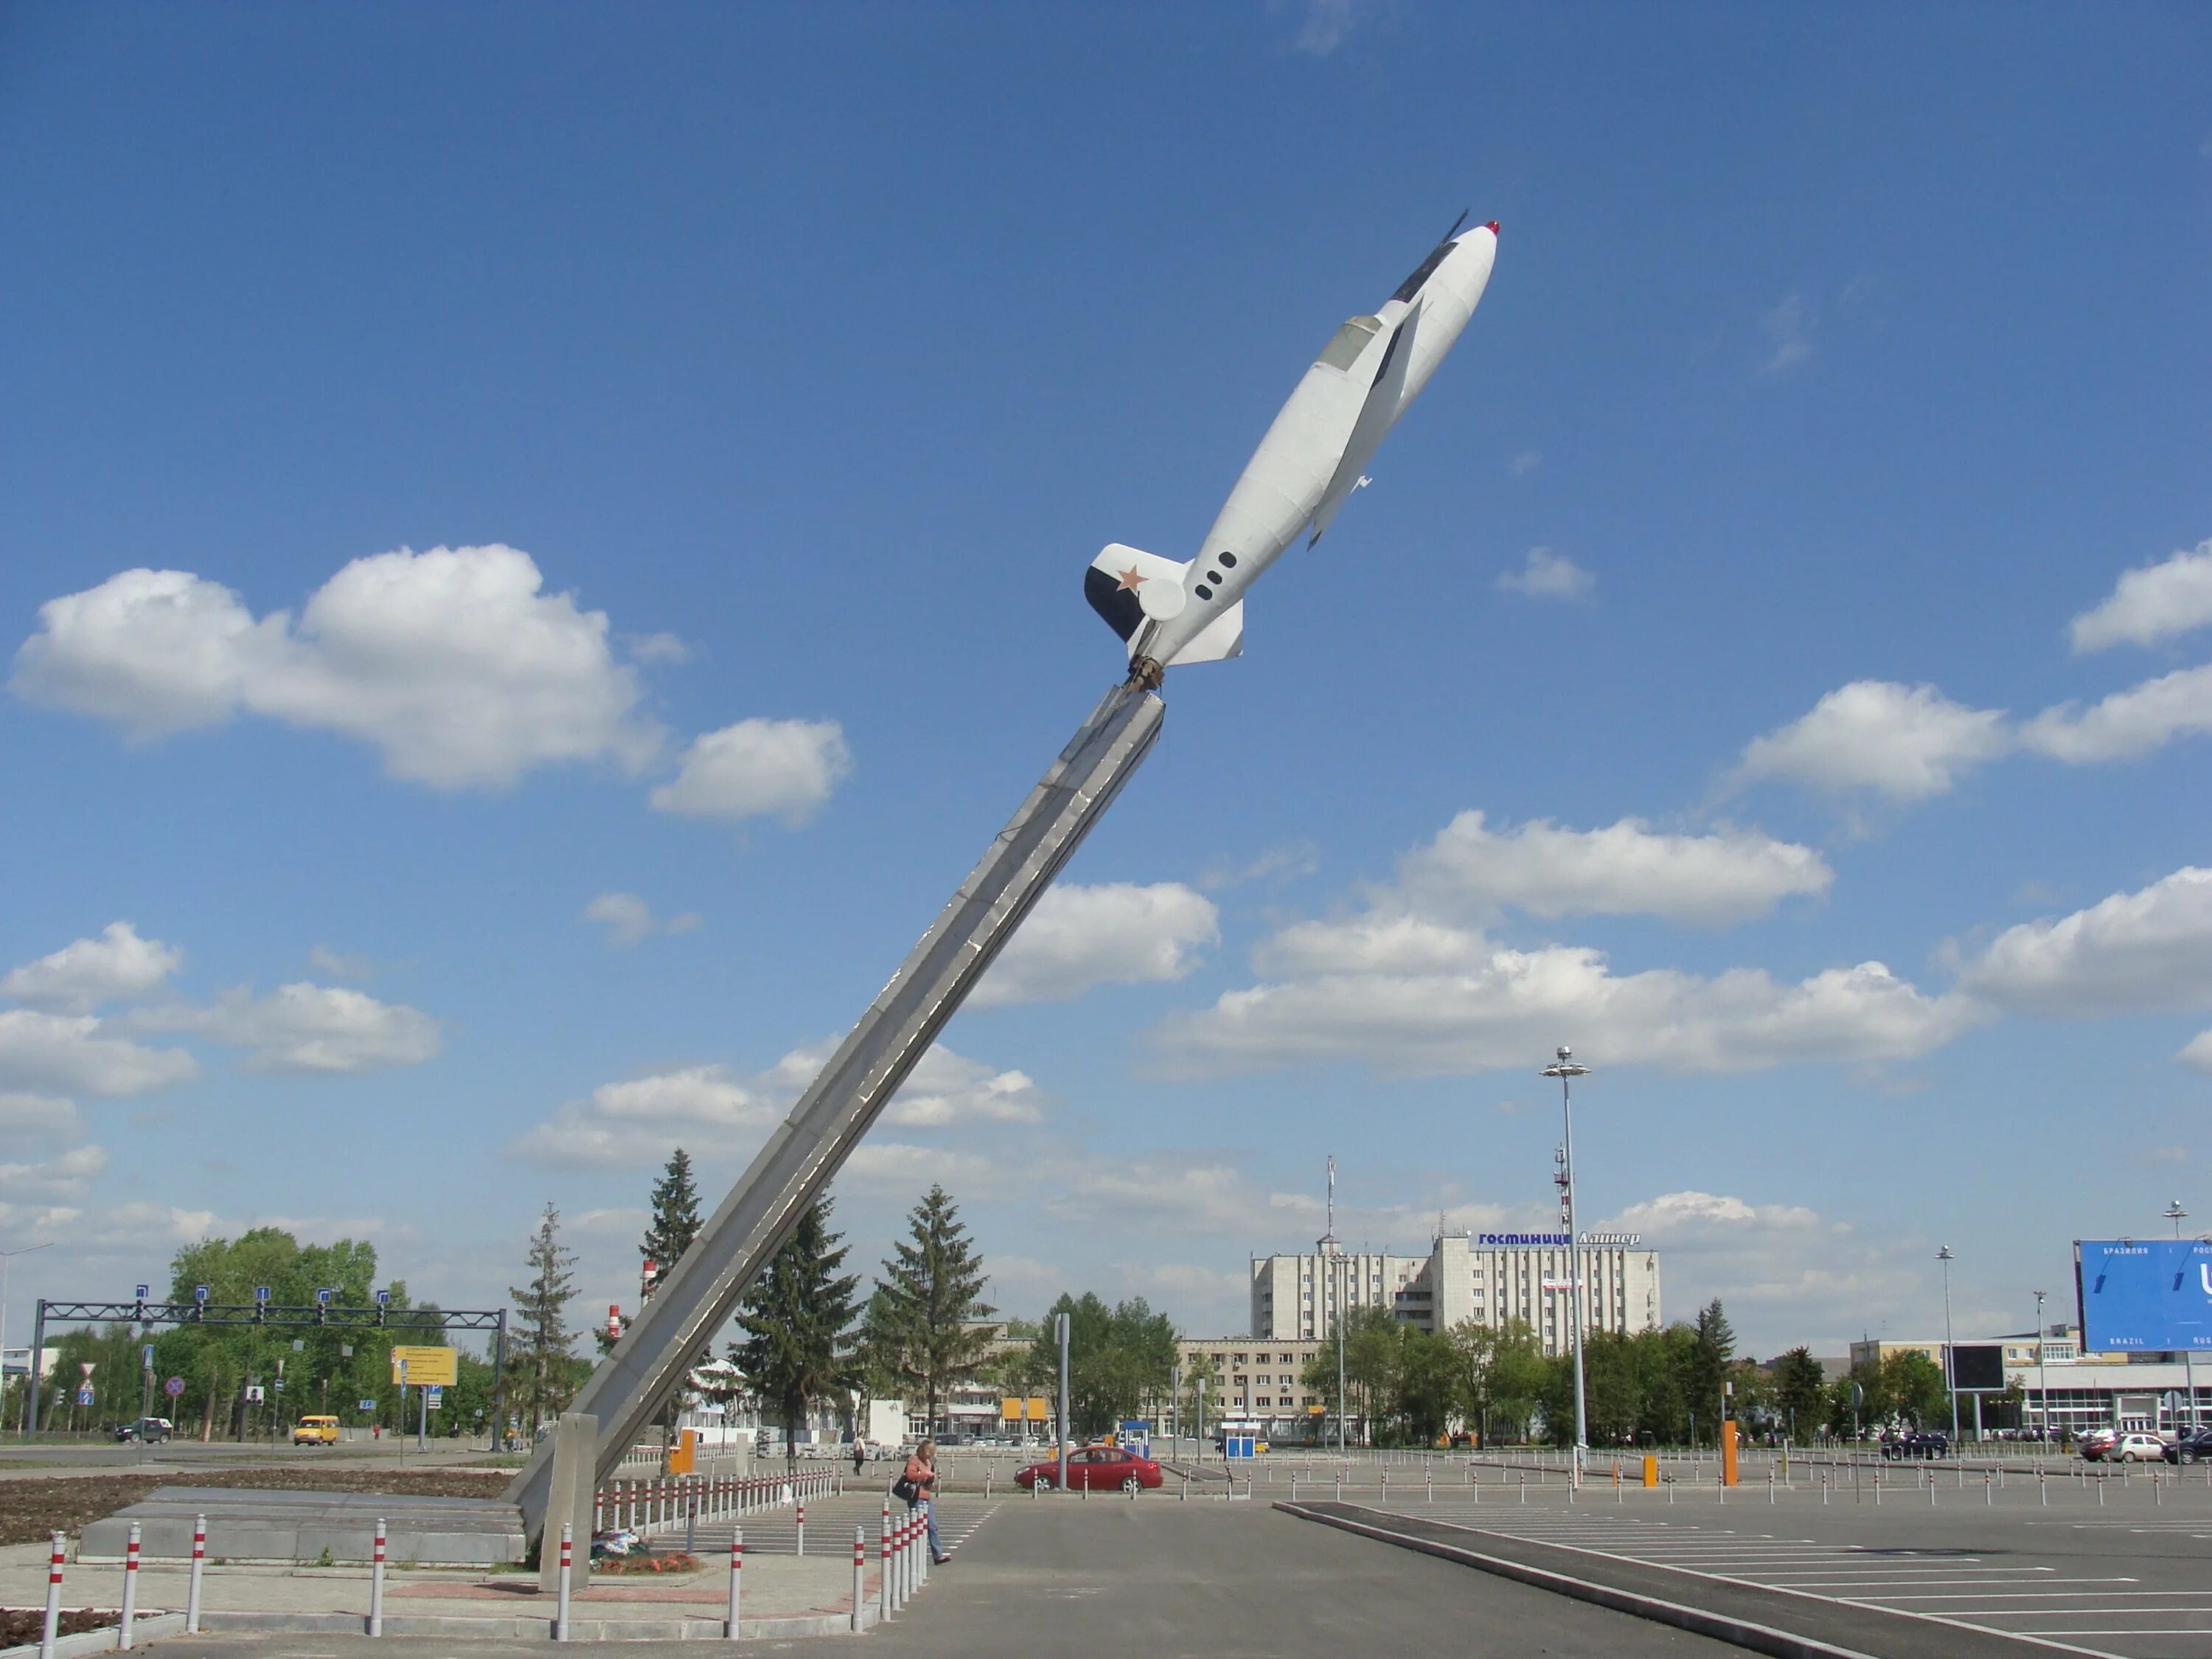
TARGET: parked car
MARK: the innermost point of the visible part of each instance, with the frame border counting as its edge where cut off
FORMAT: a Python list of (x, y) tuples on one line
[(316, 1431), (2190, 1446), (2096, 1442), (1916, 1444), (1095, 1468), (148, 1431), (2134, 1448)]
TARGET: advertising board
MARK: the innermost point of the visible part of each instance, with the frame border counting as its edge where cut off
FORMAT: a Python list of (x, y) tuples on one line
[(2144, 1294)]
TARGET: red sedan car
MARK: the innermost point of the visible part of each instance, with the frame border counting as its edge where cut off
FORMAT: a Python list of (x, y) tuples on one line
[(1095, 1468)]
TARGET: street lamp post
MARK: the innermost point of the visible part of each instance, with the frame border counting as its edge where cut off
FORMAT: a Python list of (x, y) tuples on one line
[(2176, 1215), (31, 1366), (2042, 1376), (1564, 1068), (1950, 1367)]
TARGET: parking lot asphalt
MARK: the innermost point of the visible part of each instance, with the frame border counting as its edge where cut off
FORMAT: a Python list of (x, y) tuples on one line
[(1158, 1577), (2025, 1565)]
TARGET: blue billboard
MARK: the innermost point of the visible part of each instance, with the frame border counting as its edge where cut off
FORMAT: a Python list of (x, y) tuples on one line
[(2144, 1294)]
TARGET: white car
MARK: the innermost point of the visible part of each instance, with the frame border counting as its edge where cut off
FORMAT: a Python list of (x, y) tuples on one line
[(2136, 1448)]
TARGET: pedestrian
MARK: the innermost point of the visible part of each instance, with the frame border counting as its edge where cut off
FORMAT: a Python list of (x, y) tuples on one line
[(918, 1486), (860, 1457)]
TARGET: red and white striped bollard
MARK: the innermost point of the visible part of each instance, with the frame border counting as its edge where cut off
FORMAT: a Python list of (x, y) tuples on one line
[(737, 1580), (53, 1626), (130, 1589), (192, 1591)]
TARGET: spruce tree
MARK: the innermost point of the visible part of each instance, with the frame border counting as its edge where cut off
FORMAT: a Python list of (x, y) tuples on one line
[(544, 1360), (918, 1326), (675, 1221), (795, 1352)]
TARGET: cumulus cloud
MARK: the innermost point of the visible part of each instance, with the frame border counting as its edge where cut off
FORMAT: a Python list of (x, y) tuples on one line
[(338, 964), (900, 1167), (81, 976), (634, 1122), (65, 1176), (75, 1054), (1280, 863), (2132, 952), (758, 768), (452, 662), (2128, 723), (1524, 462), (1627, 869), (302, 1027), (629, 919), (2152, 603), (2197, 1054), (25, 1119), (1115, 933), (1417, 999), (1906, 742), (1548, 575)]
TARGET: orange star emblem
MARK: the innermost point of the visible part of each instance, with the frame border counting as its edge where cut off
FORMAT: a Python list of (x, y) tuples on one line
[(1132, 580)]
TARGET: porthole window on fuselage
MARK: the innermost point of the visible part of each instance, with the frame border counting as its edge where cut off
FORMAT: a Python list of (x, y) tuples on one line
[(1204, 591), (1229, 559), (1213, 575)]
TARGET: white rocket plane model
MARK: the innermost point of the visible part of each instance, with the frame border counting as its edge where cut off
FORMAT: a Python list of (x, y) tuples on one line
[(1304, 470)]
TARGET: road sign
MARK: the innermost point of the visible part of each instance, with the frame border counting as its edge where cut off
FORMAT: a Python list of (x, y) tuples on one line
[(174, 1386), (253, 1393), (260, 1292), (431, 1366), (199, 1293), (84, 1396), (369, 1405), (435, 1398), (86, 1366), (144, 1290), (323, 1297), (383, 1298)]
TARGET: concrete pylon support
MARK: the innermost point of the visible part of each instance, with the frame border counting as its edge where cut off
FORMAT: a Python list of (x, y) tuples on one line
[(575, 1442), (696, 1299)]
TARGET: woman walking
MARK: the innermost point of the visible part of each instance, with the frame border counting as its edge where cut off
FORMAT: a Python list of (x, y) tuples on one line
[(918, 1486)]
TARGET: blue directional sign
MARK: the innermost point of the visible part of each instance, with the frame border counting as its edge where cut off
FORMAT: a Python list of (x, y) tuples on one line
[(369, 1405), (84, 1396), (199, 1293), (2144, 1294), (323, 1297), (145, 1291), (383, 1298), (434, 1397), (260, 1292)]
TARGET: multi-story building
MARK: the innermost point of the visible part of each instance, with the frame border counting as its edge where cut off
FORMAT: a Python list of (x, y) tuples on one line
[(1489, 1278), (1262, 1382)]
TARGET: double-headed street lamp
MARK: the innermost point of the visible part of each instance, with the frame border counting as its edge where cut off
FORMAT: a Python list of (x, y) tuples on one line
[(2176, 1215), (1562, 1069), (31, 1373), (2042, 1376), (1950, 1358)]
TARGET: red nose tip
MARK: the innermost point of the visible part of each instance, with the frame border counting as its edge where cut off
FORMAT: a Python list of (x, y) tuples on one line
[(1492, 227)]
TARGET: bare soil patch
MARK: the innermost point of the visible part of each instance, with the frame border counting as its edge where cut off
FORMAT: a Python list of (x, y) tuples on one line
[(31, 1508)]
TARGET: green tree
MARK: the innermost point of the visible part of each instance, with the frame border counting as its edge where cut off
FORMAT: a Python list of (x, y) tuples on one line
[(1708, 1365), (1912, 1385), (921, 1326), (544, 1367), (795, 1352), (1120, 1359), (1799, 1390), (675, 1222)]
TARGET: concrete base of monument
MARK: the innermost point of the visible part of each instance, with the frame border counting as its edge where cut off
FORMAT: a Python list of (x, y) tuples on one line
[(310, 1528)]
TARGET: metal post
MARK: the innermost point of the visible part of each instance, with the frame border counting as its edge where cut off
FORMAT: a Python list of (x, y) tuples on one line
[(1061, 1322), (737, 1580), (375, 1581), (130, 1587), (422, 1412), (192, 1591), (1950, 1369), (883, 1582), (54, 1626), (499, 1382), (561, 1611), (802, 1529), (1563, 1069), (859, 1572), (34, 1379)]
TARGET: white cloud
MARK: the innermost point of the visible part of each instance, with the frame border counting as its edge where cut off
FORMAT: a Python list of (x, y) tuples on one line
[(2198, 1054), (81, 975), (629, 919), (634, 1123), (758, 769), (1328, 21), (1626, 869), (338, 964), (898, 1167), (1524, 462), (1177, 1194), (1788, 325), (1280, 863), (2127, 723), (27, 1118), (2146, 949), (65, 1176), (1115, 934), (2152, 603), (1415, 998), (452, 662), (72, 1053), (945, 1089), (1548, 575), (1906, 742), (302, 1027)]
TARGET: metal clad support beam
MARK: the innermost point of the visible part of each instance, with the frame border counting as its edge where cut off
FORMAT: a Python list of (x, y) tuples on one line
[(696, 1297)]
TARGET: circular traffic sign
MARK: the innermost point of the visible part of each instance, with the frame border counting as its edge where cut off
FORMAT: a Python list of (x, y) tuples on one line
[(174, 1386)]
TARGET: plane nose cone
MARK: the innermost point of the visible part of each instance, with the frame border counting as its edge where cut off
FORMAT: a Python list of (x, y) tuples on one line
[(1491, 226)]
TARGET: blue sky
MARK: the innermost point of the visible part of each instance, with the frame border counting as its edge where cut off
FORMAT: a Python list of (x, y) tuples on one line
[(540, 544)]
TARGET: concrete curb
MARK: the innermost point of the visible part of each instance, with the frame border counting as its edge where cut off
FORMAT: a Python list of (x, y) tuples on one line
[(1739, 1632), (104, 1641), (513, 1628)]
